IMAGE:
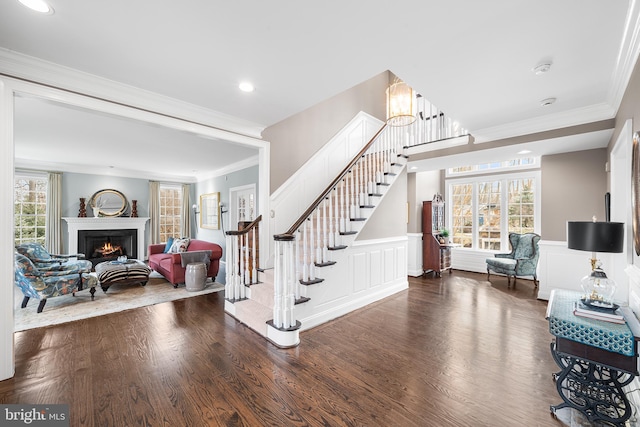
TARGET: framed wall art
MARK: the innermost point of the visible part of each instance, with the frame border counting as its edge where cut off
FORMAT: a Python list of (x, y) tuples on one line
[(210, 211)]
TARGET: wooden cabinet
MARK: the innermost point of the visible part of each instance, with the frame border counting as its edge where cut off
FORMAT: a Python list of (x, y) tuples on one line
[(436, 257)]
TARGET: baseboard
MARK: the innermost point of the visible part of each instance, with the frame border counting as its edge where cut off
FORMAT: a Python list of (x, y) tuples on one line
[(340, 310)]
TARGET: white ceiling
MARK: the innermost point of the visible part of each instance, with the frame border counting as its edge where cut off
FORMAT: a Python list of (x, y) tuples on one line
[(472, 59)]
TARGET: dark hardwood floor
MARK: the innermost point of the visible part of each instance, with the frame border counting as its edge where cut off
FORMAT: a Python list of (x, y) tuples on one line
[(450, 351)]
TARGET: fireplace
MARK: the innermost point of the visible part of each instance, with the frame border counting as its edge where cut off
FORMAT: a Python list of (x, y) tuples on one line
[(108, 224), (107, 245)]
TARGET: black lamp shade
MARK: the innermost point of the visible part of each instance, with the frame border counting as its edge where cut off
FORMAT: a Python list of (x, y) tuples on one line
[(595, 236)]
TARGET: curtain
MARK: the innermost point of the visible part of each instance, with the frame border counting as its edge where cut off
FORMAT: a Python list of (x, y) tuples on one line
[(53, 225), (185, 221), (154, 211)]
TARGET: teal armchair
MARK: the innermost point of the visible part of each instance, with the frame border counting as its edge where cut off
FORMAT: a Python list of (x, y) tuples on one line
[(43, 260), (38, 284), (521, 261)]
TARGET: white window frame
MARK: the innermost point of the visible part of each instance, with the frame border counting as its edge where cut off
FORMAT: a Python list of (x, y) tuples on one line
[(504, 220), (34, 176), (171, 187), (497, 170)]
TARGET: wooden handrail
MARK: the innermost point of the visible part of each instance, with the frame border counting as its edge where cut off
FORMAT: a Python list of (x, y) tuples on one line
[(333, 184), (245, 230)]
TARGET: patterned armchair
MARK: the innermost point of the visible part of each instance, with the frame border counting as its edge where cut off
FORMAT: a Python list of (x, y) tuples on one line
[(44, 260), (41, 285), (521, 261)]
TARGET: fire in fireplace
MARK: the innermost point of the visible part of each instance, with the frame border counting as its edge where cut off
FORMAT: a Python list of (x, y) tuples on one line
[(106, 245), (108, 249)]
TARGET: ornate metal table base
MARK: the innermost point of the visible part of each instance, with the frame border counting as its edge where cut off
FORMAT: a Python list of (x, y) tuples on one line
[(592, 388)]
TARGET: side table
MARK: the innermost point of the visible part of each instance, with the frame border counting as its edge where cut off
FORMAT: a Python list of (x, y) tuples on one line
[(596, 359)]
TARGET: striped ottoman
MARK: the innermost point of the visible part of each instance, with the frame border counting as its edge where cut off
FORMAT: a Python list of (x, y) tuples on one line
[(128, 272)]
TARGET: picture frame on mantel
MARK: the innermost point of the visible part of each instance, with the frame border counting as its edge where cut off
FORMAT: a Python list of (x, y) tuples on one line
[(210, 211)]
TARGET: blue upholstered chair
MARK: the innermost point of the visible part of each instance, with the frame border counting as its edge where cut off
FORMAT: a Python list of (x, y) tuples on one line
[(42, 259), (41, 285), (521, 261)]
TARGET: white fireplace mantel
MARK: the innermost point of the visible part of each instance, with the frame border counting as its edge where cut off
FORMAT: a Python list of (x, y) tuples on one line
[(106, 223)]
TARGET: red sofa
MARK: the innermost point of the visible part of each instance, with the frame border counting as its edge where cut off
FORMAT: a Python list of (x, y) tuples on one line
[(170, 264)]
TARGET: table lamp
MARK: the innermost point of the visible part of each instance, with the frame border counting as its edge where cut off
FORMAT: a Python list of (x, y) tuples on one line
[(595, 237)]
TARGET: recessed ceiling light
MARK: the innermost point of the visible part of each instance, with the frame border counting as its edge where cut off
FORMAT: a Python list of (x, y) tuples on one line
[(524, 152), (246, 87), (542, 68), (547, 101), (38, 5)]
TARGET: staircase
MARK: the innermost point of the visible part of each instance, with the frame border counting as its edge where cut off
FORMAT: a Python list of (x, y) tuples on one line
[(309, 258)]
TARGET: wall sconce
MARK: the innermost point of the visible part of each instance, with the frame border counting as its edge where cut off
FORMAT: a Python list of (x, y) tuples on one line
[(195, 209), (401, 104)]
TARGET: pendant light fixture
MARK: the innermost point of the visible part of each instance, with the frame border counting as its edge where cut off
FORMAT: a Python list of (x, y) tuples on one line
[(401, 103)]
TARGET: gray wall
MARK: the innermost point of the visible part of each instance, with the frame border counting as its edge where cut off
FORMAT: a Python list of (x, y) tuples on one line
[(222, 184), (297, 138), (422, 186), (76, 185), (573, 189), (389, 219)]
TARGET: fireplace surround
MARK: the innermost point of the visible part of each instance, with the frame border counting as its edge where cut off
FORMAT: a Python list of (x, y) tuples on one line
[(109, 225)]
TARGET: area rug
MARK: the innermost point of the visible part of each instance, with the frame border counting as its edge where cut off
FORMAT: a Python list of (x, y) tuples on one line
[(68, 308)]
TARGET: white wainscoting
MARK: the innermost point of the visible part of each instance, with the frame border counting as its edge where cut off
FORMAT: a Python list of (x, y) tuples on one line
[(563, 268), (364, 273), (293, 197), (558, 267), (414, 253)]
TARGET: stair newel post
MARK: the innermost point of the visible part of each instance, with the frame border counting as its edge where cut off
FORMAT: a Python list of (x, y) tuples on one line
[(247, 274), (240, 289), (292, 292), (351, 189), (254, 264)]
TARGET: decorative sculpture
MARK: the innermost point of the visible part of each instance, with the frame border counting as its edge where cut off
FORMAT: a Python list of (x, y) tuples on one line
[(82, 213)]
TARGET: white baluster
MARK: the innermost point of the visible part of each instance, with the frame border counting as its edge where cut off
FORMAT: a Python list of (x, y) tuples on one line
[(325, 231), (305, 255)]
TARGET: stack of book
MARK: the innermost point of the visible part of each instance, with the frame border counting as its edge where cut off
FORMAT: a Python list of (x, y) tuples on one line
[(613, 316)]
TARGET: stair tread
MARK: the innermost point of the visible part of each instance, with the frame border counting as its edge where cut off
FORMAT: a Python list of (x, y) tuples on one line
[(254, 315), (311, 282), (324, 264)]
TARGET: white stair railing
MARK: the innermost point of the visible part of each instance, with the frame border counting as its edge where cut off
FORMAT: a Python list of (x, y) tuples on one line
[(241, 260)]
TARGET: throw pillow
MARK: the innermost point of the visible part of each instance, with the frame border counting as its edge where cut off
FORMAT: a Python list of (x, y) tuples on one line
[(167, 247), (180, 245)]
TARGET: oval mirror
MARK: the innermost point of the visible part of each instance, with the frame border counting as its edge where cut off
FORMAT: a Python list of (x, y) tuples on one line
[(109, 202)]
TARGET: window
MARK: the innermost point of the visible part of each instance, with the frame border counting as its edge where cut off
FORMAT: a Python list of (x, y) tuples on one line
[(522, 163), (489, 215), (483, 210), (462, 215), (30, 208), (170, 211)]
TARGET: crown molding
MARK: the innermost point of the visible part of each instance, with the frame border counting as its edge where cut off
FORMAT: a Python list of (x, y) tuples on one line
[(101, 170), (234, 167), (578, 116), (627, 56), (24, 67)]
